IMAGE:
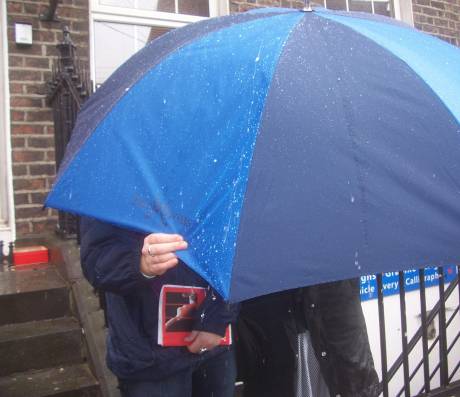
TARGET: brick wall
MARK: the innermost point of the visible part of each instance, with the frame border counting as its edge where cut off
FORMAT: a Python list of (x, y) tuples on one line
[(30, 68), (32, 132), (438, 17)]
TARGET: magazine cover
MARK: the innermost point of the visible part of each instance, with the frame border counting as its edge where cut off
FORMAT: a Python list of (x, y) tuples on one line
[(176, 314)]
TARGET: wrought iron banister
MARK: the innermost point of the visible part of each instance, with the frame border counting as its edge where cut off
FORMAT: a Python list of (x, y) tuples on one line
[(68, 88)]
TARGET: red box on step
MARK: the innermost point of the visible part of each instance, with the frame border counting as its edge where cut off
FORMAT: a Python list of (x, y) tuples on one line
[(31, 255)]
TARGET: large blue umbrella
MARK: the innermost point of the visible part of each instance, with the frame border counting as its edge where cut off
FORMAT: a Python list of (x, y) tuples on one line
[(288, 147)]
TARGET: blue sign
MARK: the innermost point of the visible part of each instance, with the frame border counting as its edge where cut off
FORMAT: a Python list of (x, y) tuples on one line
[(390, 281)]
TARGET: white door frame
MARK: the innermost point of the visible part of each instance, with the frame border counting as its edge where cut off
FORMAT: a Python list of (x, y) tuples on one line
[(7, 224)]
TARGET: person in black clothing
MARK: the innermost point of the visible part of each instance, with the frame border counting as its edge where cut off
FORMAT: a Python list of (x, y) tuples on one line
[(130, 268), (268, 338)]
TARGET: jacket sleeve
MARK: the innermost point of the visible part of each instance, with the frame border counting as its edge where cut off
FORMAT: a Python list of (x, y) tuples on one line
[(215, 314), (110, 257)]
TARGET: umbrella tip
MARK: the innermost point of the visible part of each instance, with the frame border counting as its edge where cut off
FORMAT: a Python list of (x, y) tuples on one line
[(307, 6)]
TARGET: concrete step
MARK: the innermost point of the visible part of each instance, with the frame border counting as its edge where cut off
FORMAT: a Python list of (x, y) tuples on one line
[(63, 381), (28, 295), (39, 344)]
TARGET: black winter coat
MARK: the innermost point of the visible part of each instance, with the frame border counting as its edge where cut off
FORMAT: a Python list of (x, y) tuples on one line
[(110, 258), (267, 341)]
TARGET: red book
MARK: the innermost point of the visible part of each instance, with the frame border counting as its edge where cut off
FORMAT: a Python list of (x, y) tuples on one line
[(176, 314)]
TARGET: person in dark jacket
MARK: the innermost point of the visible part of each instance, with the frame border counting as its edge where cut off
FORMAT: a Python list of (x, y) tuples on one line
[(130, 268), (268, 342)]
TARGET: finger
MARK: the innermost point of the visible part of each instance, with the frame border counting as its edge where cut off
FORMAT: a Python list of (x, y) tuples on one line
[(195, 346), (159, 238), (161, 258), (193, 340), (159, 269), (191, 336), (165, 248)]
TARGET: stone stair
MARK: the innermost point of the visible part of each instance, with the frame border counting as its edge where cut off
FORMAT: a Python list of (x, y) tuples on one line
[(42, 347)]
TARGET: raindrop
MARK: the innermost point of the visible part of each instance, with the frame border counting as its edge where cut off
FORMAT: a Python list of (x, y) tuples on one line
[(352, 199), (257, 58)]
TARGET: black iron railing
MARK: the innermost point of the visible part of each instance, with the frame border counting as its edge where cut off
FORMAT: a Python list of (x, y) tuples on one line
[(445, 376), (68, 88)]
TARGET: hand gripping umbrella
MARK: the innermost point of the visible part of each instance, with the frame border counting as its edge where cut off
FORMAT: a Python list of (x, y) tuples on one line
[(288, 147)]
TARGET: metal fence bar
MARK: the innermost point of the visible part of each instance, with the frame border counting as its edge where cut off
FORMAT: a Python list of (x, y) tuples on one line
[(431, 347), (451, 346), (450, 391), (10, 253), (444, 371), (383, 343), (426, 351), (405, 351), (433, 312), (454, 284), (454, 371), (426, 369)]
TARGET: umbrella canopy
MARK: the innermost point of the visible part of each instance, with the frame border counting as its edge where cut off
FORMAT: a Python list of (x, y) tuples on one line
[(289, 148)]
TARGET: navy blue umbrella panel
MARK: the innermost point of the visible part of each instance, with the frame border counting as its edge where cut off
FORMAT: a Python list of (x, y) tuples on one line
[(289, 148)]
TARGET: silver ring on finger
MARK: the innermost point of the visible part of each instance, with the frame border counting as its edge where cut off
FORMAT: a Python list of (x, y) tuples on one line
[(203, 349), (149, 250)]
